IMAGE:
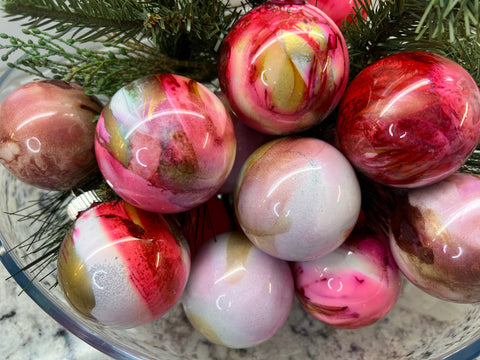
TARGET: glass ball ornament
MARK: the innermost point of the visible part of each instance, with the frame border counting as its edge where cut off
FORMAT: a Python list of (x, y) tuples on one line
[(411, 119), (353, 286), (165, 143), (121, 266), (283, 67), (297, 198), (237, 296), (434, 236), (47, 133)]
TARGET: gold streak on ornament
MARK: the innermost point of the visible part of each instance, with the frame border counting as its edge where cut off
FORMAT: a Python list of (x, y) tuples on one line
[(117, 144), (204, 328), (74, 279), (282, 65), (154, 96), (238, 248), (133, 214)]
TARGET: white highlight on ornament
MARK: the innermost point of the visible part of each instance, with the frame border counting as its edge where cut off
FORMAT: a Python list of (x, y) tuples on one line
[(33, 144), (94, 278), (465, 114), (33, 118), (137, 157), (403, 93)]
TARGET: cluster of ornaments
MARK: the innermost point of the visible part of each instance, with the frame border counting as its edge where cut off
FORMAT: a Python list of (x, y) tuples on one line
[(167, 145)]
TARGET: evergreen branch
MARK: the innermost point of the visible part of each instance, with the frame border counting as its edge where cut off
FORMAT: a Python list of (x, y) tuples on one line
[(98, 71), (190, 26), (180, 29), (459, 18), (388, 27), (392, 26), (114, 19)]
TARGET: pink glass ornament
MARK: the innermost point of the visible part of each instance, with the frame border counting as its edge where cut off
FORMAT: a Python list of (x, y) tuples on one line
[(283, 67), (122, 266), (435, 236), (47, 133), (237, 296), (410, 119), (165, 143), (297, 198), (354, 285)]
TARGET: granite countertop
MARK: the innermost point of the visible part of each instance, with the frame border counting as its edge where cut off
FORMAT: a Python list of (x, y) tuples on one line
[(27, 332)]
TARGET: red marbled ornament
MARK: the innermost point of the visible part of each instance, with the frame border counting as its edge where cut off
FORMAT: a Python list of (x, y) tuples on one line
[(283, 67), (409, 120), (47, 133)]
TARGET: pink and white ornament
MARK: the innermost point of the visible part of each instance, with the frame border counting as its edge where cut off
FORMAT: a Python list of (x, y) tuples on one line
[(434, 237), (283, 67), (353, 286), (165, 143), (122, 266), (237, 296), (297, 198)]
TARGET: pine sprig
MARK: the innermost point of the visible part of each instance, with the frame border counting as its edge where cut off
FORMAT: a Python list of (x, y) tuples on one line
[(101, 71), (452, 19), (392, 26), (190, 25), (176, 28), (388, 27), (48, 215), (91, 19)]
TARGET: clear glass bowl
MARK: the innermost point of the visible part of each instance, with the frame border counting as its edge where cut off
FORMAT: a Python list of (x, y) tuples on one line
[(418, 327)]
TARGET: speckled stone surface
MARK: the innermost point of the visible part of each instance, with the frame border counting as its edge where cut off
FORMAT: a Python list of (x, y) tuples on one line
[(27, 332)]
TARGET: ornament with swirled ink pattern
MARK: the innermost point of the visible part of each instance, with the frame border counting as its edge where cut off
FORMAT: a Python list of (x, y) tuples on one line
[(354, 285), (165, 143), (410, 119), (47, 134), (237, 296), (283, 67), (122, 266), (435, 236), (297, 198)]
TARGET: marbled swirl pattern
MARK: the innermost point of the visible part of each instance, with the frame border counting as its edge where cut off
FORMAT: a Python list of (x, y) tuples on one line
[(283, 67), (297, 198), (353, 286), (410, 119), (165, 143), (47, 133), (435, 236), (122, 266), (237, 296)]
